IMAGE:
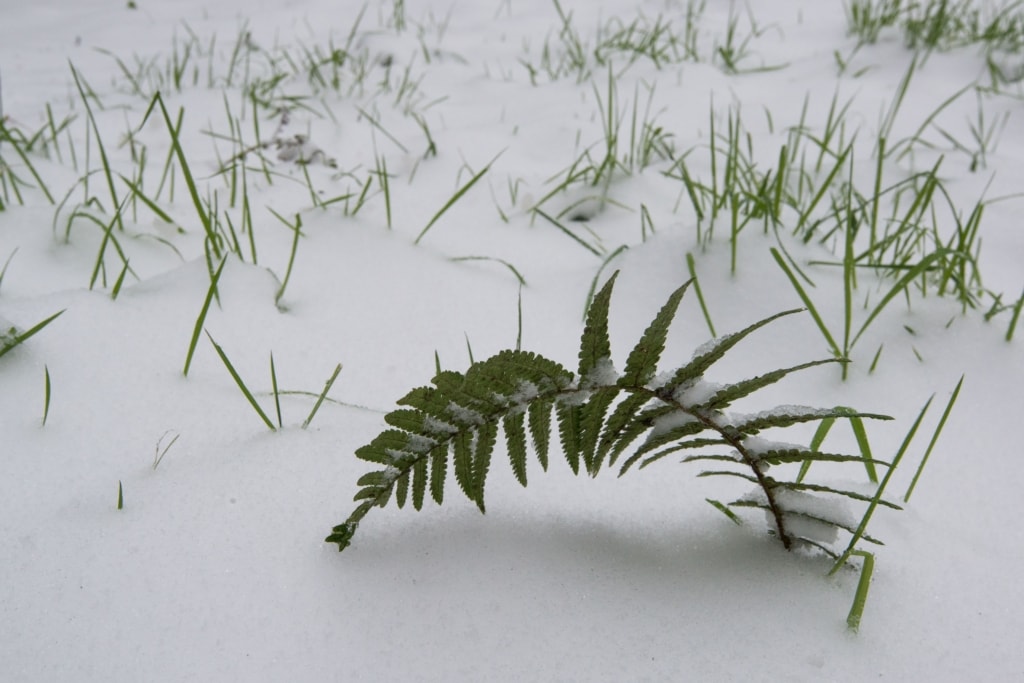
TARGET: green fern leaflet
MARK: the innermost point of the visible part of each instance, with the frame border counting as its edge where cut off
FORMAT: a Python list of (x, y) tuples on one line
[(600, 414)]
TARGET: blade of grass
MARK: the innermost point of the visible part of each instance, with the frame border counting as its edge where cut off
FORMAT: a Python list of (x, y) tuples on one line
[(862, 527), (935, 437), (808, 303), (10, 342), (323, 395), (277, 394), (297, 232), (241, 385), (3, 271), (861, 597), (568, 232), (158, 454), (456, 197), (46, 393), (201, 320), (700, 294)]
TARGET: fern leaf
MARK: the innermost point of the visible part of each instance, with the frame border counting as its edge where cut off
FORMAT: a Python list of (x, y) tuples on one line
[(342, 533), (637, 426), (778, 456), (569, 418), (438, 472), (595, 348), (419, 483), (786, 416), (593, 415), (515, 441), (620, 418), (805, 515), (643, 359), (685, 445), (462, 445), (485, 440), (461, 408), (402, 489), (728, 473), (666, 432), (384, 449), (713, 351), (803, 486), (732, 392), (539, 414)]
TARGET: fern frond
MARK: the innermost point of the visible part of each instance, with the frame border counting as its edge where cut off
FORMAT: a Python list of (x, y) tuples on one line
[(599, 414)]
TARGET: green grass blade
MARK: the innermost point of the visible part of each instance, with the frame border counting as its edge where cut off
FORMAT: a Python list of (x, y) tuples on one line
[(568, 232), (861, 597), (277, 394), (807, 302), (700, 294), (454, 198), (46, 393), (201, 320), (721, 507), (323, 395), (862, 527), (241, 385), (935, 437), (10, 341), (912, 274), (865, 448)]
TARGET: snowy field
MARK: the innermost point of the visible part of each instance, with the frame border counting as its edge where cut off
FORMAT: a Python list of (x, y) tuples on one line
[(220, 198)]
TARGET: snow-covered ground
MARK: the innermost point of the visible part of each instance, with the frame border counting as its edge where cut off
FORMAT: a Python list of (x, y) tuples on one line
[(215, 569)]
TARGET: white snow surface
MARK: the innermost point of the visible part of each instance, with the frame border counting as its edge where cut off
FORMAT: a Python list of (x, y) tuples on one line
[(216, 570)]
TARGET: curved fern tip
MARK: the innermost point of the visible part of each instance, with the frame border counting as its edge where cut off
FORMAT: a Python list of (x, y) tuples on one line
[(342, 535)]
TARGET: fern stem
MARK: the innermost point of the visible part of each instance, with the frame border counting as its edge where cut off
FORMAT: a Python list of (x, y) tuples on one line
[(736, 443)]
